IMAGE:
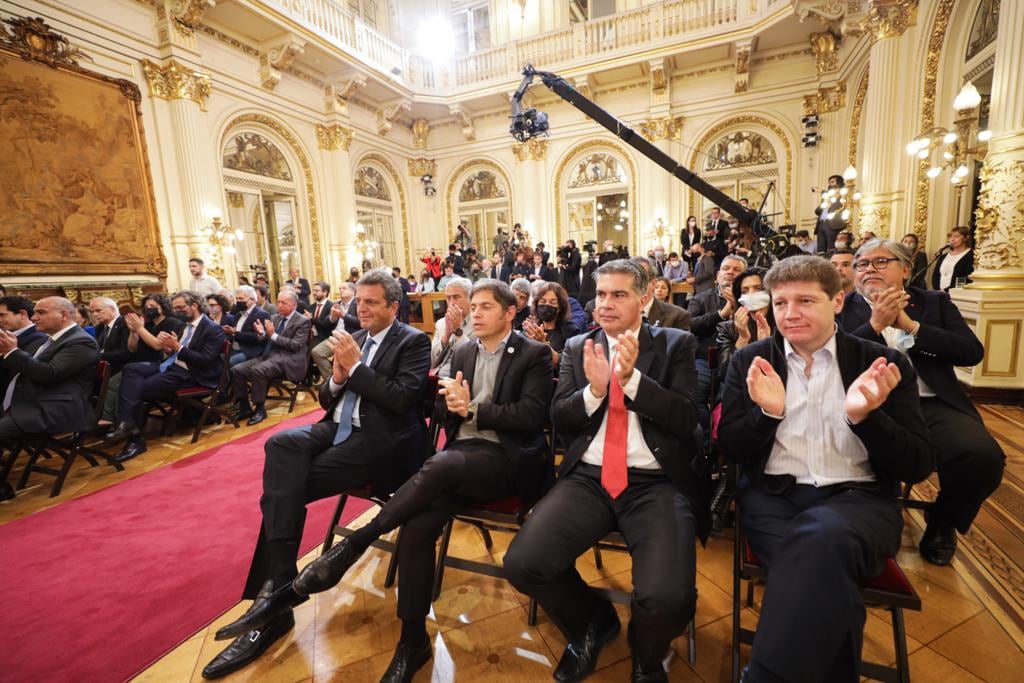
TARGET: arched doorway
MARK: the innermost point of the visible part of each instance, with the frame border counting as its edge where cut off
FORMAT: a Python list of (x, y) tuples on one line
[(375, 216), (598, 182), (480, 194)]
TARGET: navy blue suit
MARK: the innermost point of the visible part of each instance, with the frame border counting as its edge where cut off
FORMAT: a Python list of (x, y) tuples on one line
[(245, 338)]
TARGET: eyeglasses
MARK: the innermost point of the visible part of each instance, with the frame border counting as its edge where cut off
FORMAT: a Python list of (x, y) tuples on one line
[(880, 263)]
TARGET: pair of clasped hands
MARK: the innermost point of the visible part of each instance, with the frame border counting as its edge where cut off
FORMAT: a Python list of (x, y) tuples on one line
[(598, 368)]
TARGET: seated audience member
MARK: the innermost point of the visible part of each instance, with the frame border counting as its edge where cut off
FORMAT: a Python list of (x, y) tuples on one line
[(702, 278), (343, 317), (455, 328), (751, 322), (372, 435), (626, 468), (84, 320), (659, 313), (320, 313), (844, 240), (918, 260), (676, 269), (299, 284), (219, 309), (497, 404), (193, 358), (522, 290), (51, 382), (16, 317), (245, 343), (662, 289), (285, 339), (263, 300), (927, 328), (449, 275), (426, 282), (825, 426), (842, 260), (111, 332), (707, 309), (550, 323), (954, 268), (143, 344)]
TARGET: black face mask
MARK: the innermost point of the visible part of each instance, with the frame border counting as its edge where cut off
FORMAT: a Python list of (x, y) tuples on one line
[(239, 307), (546, 313), (183, 316), (151, 313)]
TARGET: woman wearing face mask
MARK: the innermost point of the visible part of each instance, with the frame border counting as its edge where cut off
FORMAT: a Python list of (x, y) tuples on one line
[(549, 324), (689, 236), (918, 258), (957, 263), (753, 320), (844, 240), (220, 309)]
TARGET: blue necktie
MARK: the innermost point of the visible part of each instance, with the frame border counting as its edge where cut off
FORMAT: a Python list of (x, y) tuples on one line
[(174, 356), (270, 344), (348, 404)]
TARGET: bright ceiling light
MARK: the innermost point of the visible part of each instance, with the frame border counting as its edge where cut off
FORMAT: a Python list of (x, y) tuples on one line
[(435, 39), (984, 135), (949, 138), (934, 171)]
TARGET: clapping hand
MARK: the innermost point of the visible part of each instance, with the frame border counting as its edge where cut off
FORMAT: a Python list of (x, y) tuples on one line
[(764, 330), (625, 355), (228, 329), (268, 327), (765, 387), (169, 342), (886, 306), (535, 331), (456, 394), (740, 320), (596, 368), (8, 341), (871, 389), (134, 322), (345, 352), (258, 326), (730, 303), (452, 321), (336, 312)]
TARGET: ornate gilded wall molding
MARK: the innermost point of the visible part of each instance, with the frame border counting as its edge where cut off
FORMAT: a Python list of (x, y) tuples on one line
[(874, 218), (333, 137), (858, 108), (386, 164), (456, 176), (175, 81), (999, 233), (337, 95), (387, 115), (881, 18), (826, 12), (278, 58), (743, 52), (826, 100), (931, 76), (464, 120), (825, 48), (662, 128), (188, 14), (31, 37), (307, 174), (422, 166), (534, 149), (736, 121), (236, 200), (420, 131)]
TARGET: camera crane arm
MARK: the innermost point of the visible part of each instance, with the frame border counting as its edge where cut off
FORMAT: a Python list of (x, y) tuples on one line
[(530, 123)]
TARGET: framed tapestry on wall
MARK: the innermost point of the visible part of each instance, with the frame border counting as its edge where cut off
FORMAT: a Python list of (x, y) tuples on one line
[(76, 195)]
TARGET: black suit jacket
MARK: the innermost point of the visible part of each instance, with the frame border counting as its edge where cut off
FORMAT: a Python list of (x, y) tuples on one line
[(322, 324), (963, 268), (895, 435), (249, 343), (686, 241), (203, 355), (704, 318), (27, 340), (352, 318), (391, 409), (665, 402), (943, 342), (517, 410), (302, 289), (668, 315), (114, 348), (54, 391)]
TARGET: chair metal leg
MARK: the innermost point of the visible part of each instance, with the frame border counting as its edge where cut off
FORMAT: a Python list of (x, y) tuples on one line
[(692, 654), (34, 455), (202, 421), (899, 636), (12, 455), (295, 396), (598, 561), (69, 458), (442, 553), (389, 578), (750, 593), (531, 614), (329, 538)]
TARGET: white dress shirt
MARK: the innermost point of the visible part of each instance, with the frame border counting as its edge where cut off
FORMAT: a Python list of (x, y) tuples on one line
[(638, 455), (814, 442), (335, 388)]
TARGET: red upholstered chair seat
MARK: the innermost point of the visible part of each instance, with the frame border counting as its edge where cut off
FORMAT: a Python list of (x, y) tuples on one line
[(509, 506), (194, 391), (891, 580)]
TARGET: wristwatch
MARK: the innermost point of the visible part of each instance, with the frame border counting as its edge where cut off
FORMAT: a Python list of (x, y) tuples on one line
[(470, 412)]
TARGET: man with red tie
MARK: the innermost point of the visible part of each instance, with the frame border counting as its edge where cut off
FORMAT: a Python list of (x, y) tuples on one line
[(625, 408)]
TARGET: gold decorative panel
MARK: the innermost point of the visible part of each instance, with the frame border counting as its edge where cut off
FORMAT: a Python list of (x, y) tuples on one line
[(742, 148), (368, 182), (253, 153), (175, 81)]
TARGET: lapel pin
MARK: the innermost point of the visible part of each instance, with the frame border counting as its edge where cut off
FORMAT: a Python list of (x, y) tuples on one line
[(511, 349)]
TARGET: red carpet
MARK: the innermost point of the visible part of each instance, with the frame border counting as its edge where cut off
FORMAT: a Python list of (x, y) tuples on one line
[(96, 589)]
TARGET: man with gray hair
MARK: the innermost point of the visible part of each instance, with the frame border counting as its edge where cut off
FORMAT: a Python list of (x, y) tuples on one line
[(285, 340), (927, 327), (245, 343), (524, 292), (61, 366), (455, 328), (111, 332)]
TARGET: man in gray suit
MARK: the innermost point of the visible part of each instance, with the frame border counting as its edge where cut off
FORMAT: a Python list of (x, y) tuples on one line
[(60, 367), (285, 354)]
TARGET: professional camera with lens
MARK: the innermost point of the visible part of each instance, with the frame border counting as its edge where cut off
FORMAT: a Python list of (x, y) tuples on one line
[(590, 246), (564, 252)]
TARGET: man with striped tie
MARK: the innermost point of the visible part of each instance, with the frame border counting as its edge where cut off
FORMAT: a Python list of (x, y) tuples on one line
[(373, 433), (625, 407)]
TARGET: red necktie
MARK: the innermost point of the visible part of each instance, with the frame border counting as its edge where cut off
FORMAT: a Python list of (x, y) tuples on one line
[(616, 430)]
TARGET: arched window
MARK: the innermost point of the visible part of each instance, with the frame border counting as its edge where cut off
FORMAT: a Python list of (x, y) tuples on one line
[(741, 163), (483, 201), (599, 205), (375, 216)]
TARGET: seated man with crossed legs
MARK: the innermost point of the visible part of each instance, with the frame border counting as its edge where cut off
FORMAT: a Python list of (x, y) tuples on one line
[(497, 404), (825, 426), (625, 407)]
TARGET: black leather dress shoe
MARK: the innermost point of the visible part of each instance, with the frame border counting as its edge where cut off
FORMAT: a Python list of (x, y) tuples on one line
[(580, 659), (269, 605), (641, 675), (121, 431), (259, 415), (938, 545), (407, 661), (6, 491), (248, 647), (326, 571), (131, 449)]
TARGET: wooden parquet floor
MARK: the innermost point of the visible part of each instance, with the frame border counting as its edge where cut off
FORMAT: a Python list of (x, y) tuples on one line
[(971, 627)]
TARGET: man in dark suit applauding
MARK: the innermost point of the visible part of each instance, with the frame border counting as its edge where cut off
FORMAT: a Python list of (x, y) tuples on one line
[(111, 332), (192, 359), (497, 404), (285, 353), (624, 406), (299, 284), (16, 317), (245, 343), (372, 434), (319, 314), (50, 382), (929, 330), (826, 426)]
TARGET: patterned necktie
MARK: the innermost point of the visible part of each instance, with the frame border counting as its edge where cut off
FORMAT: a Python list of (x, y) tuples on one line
[(101, 336), (616, 431), (9, 394), (348, 403), (268, 347), (184, 343)]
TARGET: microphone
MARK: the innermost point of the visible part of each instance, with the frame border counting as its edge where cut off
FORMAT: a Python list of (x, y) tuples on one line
[(943, 250)]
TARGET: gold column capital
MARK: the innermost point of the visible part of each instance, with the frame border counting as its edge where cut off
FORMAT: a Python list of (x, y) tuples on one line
[(420, 130), (829, 99), (175, 81), (882, 18), (534, 149), (661, 128), (333, 137), (825, 47), (422, 166)]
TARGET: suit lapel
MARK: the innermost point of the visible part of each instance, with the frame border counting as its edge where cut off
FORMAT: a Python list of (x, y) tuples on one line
[(645, 356), (469, 371), (515, 343), (389, 339)]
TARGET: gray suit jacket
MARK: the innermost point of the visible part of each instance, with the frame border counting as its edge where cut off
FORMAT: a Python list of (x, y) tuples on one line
[(289, 350)]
